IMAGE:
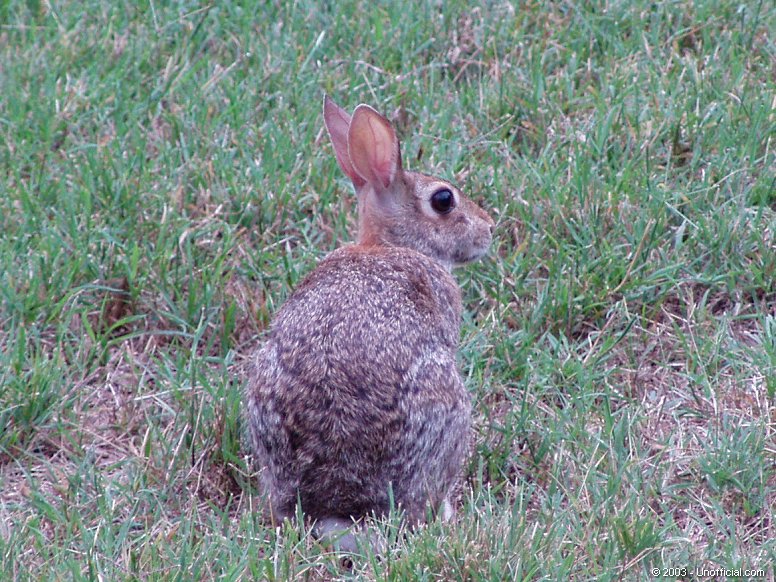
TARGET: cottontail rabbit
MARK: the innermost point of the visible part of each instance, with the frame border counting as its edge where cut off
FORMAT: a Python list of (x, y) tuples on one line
[(355, 397)]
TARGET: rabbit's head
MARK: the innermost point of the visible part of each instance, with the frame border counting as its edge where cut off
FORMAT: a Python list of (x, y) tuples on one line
[(399, 208)]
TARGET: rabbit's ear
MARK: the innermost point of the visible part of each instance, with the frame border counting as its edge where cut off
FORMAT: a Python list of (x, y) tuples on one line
[(337, 122), (373, 147)]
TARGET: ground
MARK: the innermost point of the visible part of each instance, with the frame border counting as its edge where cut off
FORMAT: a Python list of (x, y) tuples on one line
[(167, 182)]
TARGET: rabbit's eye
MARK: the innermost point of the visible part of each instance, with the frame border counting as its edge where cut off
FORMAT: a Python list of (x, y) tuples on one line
[(443, 201)]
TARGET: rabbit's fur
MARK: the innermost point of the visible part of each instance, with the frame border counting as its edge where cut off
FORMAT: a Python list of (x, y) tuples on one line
[(355, 396)]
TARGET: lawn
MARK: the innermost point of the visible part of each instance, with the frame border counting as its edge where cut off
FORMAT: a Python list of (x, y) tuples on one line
[(166, 181)]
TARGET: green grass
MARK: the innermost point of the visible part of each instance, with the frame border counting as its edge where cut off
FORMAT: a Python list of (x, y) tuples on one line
[(165, 182)]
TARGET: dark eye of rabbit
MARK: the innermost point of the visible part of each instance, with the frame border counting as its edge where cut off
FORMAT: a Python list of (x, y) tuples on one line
[(442, 201)]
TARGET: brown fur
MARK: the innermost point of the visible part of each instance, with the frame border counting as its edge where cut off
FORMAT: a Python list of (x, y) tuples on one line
[(355, 396)]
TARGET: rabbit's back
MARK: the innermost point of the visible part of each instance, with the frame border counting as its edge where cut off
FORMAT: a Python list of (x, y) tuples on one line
[(356, 389)]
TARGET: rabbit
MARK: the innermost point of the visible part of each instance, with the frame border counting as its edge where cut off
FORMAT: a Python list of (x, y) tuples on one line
[(354, 402)]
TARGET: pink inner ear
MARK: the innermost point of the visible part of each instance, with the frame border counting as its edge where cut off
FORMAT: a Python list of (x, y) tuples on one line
[(373, 147), (384, 160)]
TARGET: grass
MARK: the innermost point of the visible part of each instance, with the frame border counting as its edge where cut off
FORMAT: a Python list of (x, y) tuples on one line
[(166, 183)]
